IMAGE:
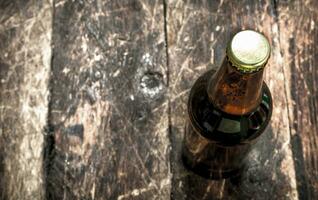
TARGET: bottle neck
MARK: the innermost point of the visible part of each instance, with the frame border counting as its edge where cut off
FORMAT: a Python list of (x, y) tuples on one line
[(235, 92)]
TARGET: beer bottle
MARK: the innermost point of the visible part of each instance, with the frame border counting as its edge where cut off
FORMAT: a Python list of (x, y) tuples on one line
[(228, 109)]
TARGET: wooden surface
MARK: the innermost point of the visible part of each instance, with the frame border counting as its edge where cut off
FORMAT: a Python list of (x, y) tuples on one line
[(25, 55), (108, 111), (93, 97), (197, 41)]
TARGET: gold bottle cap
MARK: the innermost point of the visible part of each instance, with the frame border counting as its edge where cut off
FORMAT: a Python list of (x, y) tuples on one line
[(248, 51)]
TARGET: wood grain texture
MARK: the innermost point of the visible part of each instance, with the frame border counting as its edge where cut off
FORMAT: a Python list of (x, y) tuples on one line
[(121, 73), (198, 32), (108, 112), (298, 39), (25, 55)]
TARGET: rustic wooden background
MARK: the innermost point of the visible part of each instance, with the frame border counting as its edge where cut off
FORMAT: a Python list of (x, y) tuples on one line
[(93, 97)]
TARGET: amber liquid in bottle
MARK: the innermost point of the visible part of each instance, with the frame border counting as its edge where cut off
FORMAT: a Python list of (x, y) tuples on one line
[(228, 110)]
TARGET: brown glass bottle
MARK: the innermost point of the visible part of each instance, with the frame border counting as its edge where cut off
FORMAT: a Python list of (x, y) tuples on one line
[(228, 109)]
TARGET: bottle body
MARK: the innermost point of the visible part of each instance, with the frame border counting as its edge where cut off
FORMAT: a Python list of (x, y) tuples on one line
[(216, 142)]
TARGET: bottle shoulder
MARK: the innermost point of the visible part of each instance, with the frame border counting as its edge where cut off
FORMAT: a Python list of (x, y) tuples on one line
[(218, 126)]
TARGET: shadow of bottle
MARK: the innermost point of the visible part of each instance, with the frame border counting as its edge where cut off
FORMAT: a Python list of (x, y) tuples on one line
[(262, 178)]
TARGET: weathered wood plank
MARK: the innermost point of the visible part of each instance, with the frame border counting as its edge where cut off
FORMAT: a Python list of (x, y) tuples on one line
[(197, 35), (25, 55), (299, 38), (108, 111)]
